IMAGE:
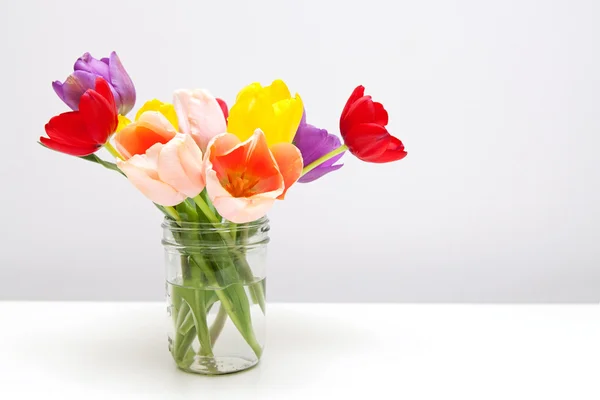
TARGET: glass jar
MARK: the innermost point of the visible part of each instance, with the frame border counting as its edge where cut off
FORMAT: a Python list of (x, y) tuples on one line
[(216, 294)]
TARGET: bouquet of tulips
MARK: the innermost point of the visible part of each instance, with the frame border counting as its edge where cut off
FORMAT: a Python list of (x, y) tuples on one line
[(200, 161)]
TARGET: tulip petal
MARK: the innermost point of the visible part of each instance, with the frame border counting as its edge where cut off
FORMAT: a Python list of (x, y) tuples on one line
[(152, 127), (100, 116), (380, 115), (89, 64), (122, 83), (157, 121), (368, 140), (248, 168), (86, 69), (180, 165), (302, 120), (278, 91), (249, 92), (242, 210), (78, 151), (362, 125), (102, 87), (270, 109), (75, 86), (222, 144), (133, 140), (319, 172), (199, 114), (224, 108), (361, 110), (261, 163), (289, 161), (123, 122), (141, 170), (394, 151), (241, 162), (191, 159), (358, 92), (69, 128), (58, 88), (365, 110), (165, 109), (82, 132), (314, 143), (289, 114), (249, 114), (237, 209)]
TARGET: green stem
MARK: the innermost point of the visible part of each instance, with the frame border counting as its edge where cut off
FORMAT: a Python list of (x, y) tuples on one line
[(256, 291), (321, 160), (181, 341), (233, 229), (193, 295), (218, 325), (171, 212), (186, 342), (187, 323), (198, 308), (204, 195), (193, 306), (95, 159), (191, 209), (242, 321), (239, 312), (243, 238), (182, 314), (206, 210), (113, 151), (108, 165), (196, 304)]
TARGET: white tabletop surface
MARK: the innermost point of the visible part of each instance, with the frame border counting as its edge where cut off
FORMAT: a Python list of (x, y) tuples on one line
[(314, 351)]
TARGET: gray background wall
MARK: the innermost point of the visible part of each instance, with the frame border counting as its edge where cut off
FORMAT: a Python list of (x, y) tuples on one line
[(497, 103)]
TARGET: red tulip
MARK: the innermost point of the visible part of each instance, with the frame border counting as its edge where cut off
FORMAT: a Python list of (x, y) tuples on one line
[(82, 132), (362, 125), (224, 108)]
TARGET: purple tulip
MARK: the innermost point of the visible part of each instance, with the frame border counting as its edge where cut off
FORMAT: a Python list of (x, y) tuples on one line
[(314, 143), (86, 69)]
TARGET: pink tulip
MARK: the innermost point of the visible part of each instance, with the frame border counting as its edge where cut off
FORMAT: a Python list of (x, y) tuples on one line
[(167, 173), (243, 179), (199, 114)]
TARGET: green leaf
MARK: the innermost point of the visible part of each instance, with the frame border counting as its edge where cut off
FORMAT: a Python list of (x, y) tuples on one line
[(187, 211), (95, 159), (205, 197)]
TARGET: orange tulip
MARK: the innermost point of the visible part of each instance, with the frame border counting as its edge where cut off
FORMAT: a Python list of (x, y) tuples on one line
[(136, 138), (167, 173), (164, 165), (243, 179)]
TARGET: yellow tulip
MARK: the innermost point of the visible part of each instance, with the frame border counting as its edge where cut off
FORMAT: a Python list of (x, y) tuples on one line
[(271, 109), (123, 122), (165, 109)]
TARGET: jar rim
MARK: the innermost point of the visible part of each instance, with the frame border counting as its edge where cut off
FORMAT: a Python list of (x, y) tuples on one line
[(170, 223)]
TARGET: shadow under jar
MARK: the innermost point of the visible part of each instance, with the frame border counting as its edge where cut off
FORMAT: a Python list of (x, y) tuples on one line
[(216, 294)]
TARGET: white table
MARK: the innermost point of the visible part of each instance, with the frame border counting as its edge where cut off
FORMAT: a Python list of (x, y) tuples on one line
[(314, 351)]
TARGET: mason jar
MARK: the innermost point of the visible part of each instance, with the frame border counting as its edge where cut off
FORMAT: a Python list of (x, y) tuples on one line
[(215, 289)]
